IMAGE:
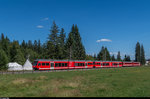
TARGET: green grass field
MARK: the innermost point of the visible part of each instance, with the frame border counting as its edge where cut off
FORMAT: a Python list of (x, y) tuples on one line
[(108, 82)]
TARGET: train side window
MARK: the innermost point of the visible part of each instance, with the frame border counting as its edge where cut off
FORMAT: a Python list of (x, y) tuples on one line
[(76, 64), (59, 64), (52, 64), (56, 64), (66, 64), (84, 64), (43, 64), (63, 64), (39, 64), (47, 64)]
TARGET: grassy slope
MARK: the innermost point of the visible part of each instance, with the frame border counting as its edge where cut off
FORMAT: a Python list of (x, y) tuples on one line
[(111, 82)]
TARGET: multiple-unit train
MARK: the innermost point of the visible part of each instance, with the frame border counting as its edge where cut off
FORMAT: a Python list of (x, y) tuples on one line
[(45, 64)]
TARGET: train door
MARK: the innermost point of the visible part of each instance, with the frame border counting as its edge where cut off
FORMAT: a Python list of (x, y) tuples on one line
[(86, 65), (52, 65)]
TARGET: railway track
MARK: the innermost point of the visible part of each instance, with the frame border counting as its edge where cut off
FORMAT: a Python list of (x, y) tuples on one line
[(42, 71)]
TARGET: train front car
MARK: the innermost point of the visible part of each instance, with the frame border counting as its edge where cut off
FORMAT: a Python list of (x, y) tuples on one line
[(35, 67), (42, 64)]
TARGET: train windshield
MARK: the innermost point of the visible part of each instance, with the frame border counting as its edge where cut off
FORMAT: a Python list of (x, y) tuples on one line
[(35, 63)]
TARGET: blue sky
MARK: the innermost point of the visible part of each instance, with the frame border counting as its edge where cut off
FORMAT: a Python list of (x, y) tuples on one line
[(123, 22)]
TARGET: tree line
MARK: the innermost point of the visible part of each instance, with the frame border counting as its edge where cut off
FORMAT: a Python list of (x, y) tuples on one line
[(57, 46)]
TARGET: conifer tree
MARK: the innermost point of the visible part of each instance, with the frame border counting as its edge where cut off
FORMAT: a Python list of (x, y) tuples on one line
[(79, 50), (70, 44), (23, 44), (53, 36), (39, 48), (128, 58), (137, 52), (95, 57), (101, 54), (118, 56), (3, 60), (35, 46), (113, 58), (143, 61), (53, 41), (61, 45), (30, 45), (125, 57), (16, 54), (5, 45), (107, 56)]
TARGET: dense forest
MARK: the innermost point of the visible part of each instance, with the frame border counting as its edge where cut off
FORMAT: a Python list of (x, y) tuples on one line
[(57, 46)]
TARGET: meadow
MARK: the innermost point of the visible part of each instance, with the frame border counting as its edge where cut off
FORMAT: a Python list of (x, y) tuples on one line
[(107, 82)]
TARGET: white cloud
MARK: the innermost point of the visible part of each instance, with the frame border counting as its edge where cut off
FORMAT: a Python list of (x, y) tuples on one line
[(44, 19), (40, 26), (104, 40)]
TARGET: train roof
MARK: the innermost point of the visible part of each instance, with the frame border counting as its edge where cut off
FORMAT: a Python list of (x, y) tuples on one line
[(59, 60), (78, 60)]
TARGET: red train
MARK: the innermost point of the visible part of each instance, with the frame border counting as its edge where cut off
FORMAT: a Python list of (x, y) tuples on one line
[(44, 64)]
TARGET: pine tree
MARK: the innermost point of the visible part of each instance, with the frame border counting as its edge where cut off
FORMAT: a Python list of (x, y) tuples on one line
[(95, 57), (137, 52), (118, 56), (128, 58), (143, 61), (30, 45), (79, 50), (53, 36), (19, 57), (101, 54), (107, 56), (35, 46), (16, 54), (23, 44), (39, 48), (3, 60), (53, 41), (61, 45), (70, 45), (89, 57), (113, 58), (125, 57), (5, 45), (50, 50)]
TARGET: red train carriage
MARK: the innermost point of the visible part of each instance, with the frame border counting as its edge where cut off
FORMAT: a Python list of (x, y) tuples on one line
[(127, 64), (100, 64), (136, 64), (79, 64), (43, 64), (116, 64), (97, 64), (89, 64), (105, 64)]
